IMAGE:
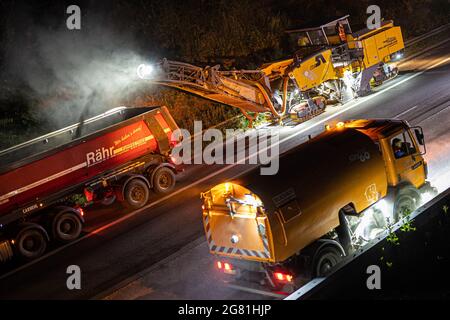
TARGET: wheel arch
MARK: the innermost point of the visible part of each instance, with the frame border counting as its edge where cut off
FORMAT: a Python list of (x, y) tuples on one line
[(24, 226), (62, 209), (323, 243)]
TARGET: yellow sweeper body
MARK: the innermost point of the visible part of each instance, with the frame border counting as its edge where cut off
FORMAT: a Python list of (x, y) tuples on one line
[(271, 218)]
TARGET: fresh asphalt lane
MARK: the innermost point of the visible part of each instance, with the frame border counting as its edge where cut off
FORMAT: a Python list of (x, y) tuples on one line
[(119, 250)]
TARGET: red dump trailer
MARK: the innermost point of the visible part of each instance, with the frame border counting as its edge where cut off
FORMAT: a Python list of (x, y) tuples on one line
[(46, 182)]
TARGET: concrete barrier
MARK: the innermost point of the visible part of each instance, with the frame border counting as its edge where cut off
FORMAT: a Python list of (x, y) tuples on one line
[(416, 265)]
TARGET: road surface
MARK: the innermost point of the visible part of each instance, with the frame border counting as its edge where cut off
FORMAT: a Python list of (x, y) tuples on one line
[(159, 252)]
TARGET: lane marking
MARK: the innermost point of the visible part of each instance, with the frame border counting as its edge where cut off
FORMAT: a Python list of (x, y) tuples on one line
[(405, 112), (132, 214)]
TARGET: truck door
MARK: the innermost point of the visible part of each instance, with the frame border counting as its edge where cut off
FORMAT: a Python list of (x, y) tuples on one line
[(408, 161)]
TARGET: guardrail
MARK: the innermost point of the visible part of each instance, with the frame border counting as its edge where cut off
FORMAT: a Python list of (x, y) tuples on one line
[(345, 274), (426, 35)]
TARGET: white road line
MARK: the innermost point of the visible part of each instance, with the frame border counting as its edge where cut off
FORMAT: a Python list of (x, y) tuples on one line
[(405, 112), (132, 214)]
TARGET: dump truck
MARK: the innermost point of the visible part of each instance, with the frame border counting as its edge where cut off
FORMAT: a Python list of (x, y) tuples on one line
[(46, 182), (331, 195), (331, 65)]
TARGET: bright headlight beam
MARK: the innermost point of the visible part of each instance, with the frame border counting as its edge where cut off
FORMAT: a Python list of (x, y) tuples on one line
[(144, 70)]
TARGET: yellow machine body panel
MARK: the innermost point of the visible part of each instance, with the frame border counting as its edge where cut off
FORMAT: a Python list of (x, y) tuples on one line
[(277, 68), (314, 70), (234, 228), (378, 45)]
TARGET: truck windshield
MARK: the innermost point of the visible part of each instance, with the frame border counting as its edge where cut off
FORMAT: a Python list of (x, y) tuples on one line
[(402, 145)]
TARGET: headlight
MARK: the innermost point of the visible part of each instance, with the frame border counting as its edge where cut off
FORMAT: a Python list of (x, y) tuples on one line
[(144, 70)]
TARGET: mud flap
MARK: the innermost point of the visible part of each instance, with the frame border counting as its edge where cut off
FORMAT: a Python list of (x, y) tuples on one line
[(343, 232), (363, 84)]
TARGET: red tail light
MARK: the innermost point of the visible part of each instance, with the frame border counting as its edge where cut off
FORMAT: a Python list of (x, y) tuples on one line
[(81, 211), (225, 267), (280, 276)]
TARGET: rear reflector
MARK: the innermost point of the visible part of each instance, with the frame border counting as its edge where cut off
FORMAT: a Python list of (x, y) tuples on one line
[(89, 194)]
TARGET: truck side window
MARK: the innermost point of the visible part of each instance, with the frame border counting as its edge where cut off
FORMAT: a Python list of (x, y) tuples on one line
[(402, 145)]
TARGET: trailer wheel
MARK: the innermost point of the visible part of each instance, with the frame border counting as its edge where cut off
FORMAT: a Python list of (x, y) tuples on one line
[(67, 226), (31, 242), (163, 180), (326, 260), (109, 200), (136, 193)]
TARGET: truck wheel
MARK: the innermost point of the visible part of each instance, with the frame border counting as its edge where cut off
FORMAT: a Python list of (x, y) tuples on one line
[(326, 260), (31, 243), (407, 200), (67, 226), (108, 200), (163, 180), (136, 193)]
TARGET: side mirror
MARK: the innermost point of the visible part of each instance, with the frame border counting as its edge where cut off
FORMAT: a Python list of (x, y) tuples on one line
[(418, 132), (419, 136)]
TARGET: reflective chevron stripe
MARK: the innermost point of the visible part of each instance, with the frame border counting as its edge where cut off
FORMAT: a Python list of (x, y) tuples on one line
[(228, 250)]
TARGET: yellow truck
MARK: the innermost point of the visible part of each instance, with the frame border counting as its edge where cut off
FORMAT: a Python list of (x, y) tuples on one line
[(279, 230)]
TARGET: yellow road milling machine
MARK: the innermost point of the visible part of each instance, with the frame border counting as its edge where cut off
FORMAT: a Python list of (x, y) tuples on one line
[(330, 196), (332, 64)]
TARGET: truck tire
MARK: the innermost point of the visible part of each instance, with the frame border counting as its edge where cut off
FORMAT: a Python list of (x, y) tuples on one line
[(163, 180), (325, 261), (66, 226), (108, 200), (136, 194), (406, 201), (31, 242)]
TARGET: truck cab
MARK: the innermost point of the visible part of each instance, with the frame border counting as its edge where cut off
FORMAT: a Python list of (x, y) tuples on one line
[(402, 148)]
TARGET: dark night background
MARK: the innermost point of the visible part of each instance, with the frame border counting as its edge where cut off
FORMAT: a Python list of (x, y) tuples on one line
[(51, 76)]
